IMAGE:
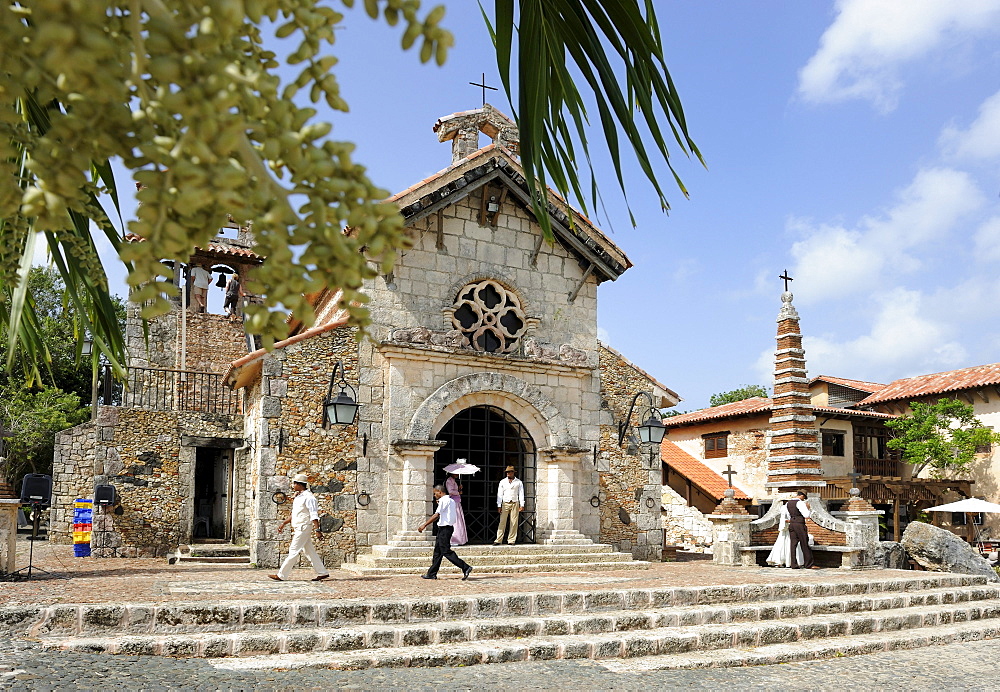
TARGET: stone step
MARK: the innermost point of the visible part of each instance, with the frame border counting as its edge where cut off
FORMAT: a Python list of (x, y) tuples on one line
[(199, 560), (484, 561), (831, 633), (214, 550), (426, 550), (149, 618), (415, 569), (809, 650), (348, 625)]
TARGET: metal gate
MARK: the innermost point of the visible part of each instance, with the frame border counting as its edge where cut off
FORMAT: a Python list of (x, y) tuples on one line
[(492, 439)]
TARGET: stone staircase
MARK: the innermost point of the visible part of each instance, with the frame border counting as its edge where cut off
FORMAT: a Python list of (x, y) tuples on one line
[(581, 556), (631, 629), (212, 554)]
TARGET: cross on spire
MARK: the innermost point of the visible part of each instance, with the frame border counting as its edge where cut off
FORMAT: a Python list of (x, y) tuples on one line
[(729, 473), (482, 85), (786, 278)]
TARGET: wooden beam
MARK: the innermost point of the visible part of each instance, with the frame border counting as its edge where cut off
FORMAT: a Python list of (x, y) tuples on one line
[(503, 198), (983, 395), (968, 397), (586, 275), (439, 243), (533, 260), (895, 518), (482, 205)]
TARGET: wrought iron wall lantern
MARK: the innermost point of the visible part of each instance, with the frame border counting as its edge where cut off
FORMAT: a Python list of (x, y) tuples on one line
[(651, 431), (364, 499), (342, 409)]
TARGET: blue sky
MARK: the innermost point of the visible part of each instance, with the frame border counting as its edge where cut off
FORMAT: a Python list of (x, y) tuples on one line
[(854, 143)]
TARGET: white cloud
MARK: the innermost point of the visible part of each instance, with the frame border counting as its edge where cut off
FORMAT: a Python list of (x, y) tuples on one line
[(834, 260), (988, 240), (903, 341), (861, 51), (981, 140)]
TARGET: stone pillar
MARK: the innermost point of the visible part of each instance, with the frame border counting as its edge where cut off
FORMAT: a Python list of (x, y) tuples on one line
[(794, 450), (558, 496), (730, 532), (411, 479), (8, 534), (862, 531)]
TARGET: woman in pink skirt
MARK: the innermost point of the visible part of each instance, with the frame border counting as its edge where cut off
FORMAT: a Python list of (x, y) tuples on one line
[(454, 488)]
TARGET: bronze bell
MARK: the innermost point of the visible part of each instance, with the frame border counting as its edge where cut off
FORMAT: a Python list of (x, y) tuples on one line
[(221, 283)]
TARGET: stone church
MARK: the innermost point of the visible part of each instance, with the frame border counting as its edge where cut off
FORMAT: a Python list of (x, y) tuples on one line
[(483, 346)]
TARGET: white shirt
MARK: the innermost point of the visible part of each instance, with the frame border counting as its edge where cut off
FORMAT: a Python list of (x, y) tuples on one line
[(304, 510), (510, 491), (803, 510), (446, 511), (202, 278)]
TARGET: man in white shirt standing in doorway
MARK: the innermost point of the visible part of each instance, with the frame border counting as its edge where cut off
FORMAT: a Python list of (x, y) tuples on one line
[(304, 520), (510, 504), (445, 517)]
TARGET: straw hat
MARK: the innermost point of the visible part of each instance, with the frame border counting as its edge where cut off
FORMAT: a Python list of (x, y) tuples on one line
[(510, 468), (301, 478)]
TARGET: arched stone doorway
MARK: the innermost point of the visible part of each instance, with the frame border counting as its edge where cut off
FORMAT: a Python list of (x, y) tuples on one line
[(492, 439)]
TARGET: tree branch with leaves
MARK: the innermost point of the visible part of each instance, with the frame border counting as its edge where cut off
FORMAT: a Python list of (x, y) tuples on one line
[(942, 436)]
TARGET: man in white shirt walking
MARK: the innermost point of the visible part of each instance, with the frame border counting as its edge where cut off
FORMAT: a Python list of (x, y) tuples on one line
[(304, 519), (510, 504), (445, 517)]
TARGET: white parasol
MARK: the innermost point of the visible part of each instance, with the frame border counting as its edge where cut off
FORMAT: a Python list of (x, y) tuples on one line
[(461, 468), (969, 504)]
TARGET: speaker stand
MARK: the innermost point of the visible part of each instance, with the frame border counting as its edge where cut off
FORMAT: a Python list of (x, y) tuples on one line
[(25, 572)]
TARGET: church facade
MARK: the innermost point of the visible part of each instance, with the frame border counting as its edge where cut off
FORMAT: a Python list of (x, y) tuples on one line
[(483, 346)]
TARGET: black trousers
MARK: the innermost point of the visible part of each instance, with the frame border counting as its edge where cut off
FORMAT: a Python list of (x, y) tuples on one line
[(443, 549), (799, 536)]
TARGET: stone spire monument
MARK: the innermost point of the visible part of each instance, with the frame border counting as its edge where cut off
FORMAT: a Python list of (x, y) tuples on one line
[(794, 452)]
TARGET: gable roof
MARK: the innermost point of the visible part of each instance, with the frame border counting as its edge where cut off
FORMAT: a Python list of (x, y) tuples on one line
[(936, 383), (844, 382), (574, 230), (758, 406), (660, 390), (710, 482)]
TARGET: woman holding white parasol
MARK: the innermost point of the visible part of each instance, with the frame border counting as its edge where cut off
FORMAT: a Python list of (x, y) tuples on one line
[(454, 487)]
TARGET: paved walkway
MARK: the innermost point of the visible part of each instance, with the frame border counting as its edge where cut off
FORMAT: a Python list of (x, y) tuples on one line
[(144, 580)]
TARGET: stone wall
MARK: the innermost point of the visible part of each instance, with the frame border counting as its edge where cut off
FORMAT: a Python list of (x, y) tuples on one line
[(684, 525), (213, 342), (285, 423), (144, 455), (630, 475)]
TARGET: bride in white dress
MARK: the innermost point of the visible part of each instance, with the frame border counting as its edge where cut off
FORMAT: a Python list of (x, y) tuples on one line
[(781, 553)]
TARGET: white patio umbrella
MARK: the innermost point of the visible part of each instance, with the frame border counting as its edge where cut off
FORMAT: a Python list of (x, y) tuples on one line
[(969, 504)]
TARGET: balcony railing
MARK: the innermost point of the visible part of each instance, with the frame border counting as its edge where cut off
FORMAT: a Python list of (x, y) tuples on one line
[(878, 467), (158, 389)]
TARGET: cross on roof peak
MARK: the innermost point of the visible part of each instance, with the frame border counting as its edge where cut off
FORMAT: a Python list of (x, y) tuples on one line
[(729, 473), (483, 86), (786, 278)]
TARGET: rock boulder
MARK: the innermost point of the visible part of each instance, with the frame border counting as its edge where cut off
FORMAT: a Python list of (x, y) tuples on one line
[(890, 555), (939, 550)]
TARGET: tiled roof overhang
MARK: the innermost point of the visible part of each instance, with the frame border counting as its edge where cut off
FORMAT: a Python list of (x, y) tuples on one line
[(576, 232)]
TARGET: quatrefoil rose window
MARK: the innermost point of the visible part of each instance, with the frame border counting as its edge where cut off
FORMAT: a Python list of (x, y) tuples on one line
[(490, 316)]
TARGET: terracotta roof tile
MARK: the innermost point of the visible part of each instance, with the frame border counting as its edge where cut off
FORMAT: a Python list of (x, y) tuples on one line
[(853, 384), (697, 472), (937, 383), (755, 406), (212, 247)]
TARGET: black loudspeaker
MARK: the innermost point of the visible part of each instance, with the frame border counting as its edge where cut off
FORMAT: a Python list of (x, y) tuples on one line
[(105, 495), (36, 489)]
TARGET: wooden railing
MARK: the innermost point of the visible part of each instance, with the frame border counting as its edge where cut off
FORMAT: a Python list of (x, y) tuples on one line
[(158, 389), (878, 467)]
